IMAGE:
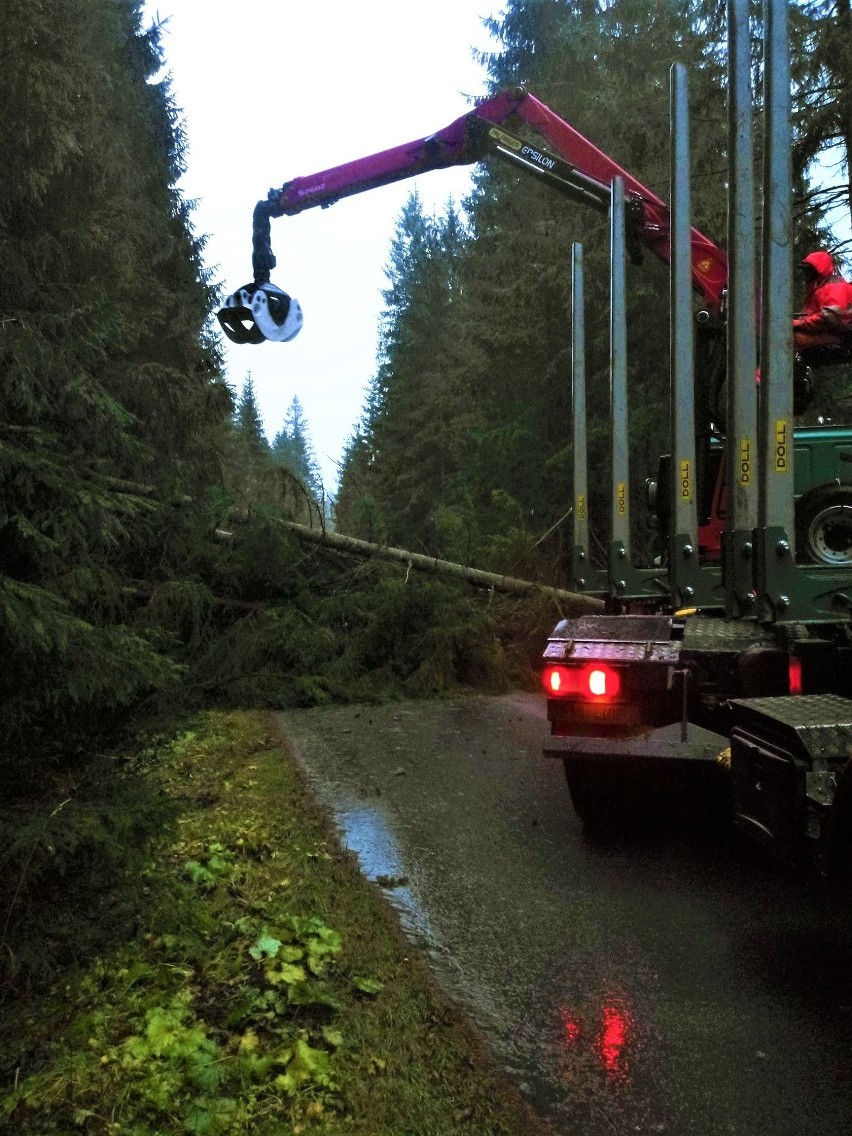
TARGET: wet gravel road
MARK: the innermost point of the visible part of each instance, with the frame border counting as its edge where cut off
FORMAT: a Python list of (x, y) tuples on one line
[(666, 982)]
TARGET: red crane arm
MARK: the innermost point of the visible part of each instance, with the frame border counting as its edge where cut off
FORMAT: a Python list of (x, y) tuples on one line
[(569, 162), (585, 173)]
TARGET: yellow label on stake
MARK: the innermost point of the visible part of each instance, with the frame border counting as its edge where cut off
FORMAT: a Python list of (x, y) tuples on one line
[(744, 471), (781, 462), (685, 479), (621, 498), (581, 507)]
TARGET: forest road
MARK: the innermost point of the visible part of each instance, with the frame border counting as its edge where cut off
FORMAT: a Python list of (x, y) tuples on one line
[(667, 982)]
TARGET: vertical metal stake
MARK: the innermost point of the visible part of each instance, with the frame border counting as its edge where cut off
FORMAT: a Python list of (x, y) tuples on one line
[(683, 535), (619, 556), (743, 467), (580, 553), (775, 509)]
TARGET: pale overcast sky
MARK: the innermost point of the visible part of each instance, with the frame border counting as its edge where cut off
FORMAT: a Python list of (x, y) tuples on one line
[(274, 90)]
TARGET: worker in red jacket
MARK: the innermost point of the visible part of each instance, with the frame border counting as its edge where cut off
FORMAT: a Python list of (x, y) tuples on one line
[(826, 317)]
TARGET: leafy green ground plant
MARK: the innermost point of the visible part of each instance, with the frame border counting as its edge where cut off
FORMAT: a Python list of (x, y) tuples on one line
[(266, 988)]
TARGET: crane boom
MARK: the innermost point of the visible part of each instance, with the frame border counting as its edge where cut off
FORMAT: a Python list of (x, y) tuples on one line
[(567, 161)]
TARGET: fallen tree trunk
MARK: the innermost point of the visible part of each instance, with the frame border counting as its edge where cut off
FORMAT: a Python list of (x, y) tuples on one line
[(573, 602)]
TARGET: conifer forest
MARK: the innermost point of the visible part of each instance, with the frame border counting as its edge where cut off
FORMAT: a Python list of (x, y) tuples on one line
[(145, 560)]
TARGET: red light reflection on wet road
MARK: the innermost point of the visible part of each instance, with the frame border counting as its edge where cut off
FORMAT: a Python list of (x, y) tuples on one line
[(611, 1029), (572, 1029), (612, 1040)]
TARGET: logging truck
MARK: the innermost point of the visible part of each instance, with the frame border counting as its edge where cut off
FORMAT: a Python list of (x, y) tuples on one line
[(733, 675)]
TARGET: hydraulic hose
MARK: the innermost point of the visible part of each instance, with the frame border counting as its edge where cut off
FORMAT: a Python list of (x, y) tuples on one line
[(262, 256)]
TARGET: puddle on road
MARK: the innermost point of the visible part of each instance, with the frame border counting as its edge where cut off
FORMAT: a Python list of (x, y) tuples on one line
[(366, 832)]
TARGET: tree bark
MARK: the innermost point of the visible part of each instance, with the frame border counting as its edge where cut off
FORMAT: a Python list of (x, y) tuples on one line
[(573, 602)]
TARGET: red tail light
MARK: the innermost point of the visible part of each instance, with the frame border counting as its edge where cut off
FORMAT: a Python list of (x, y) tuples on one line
[(597, 682), (794, 671), (603, 682), (560, 681)]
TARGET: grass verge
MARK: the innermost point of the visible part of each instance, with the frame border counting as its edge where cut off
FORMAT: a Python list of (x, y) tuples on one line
[(264, 987)]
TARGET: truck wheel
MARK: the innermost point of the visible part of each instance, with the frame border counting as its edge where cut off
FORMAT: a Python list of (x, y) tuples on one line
[(594, 802), (839, 851), (824, 526)]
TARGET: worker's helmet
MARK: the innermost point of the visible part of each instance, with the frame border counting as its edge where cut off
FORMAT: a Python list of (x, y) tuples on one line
[(278, 315), (258, 312)]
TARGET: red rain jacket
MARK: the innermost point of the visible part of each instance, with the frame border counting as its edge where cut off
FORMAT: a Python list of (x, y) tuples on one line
[(826, 315)]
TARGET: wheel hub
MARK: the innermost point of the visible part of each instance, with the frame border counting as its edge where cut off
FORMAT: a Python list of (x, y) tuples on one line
[(831, 535)]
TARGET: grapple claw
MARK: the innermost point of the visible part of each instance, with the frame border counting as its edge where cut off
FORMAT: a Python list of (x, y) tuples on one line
[(257, 312)]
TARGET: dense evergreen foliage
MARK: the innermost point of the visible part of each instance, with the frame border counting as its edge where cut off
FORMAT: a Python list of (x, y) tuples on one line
[(282, 476), (823, 75), (109, 390)]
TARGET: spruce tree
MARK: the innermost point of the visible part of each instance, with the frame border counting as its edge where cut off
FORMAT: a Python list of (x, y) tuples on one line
[(247, 420), (356, 510), (110, 400), (293, 450), (419, 421)]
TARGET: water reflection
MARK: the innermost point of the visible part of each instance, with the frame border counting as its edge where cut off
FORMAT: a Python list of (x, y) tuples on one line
[(606, 1032), (366, 832), (611, 1042)]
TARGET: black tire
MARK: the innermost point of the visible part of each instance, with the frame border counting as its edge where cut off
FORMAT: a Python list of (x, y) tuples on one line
[(838, 854), (824, 526), (595, 802)]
